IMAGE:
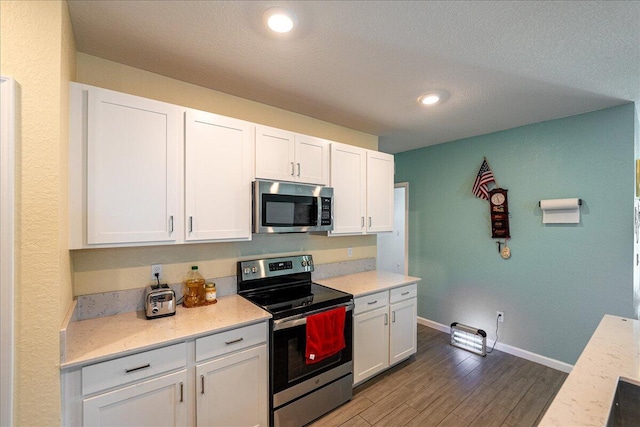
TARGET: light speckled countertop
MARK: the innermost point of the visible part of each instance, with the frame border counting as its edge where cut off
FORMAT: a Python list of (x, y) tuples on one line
[(585, 397), (369, 282), (102, 338)]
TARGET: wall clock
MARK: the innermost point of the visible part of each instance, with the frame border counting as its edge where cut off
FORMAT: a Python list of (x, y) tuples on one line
[(499, 210)]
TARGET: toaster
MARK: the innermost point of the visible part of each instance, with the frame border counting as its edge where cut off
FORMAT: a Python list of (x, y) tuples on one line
[(159, 301)]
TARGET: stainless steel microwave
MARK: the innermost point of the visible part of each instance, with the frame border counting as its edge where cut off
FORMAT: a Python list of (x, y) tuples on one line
[(286, 207)]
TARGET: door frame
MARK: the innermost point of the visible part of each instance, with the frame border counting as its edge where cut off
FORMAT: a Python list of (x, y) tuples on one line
[(7, 245), (405, 185)]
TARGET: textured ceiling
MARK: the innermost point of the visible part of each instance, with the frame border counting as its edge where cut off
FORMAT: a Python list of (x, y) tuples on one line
[(363, 64)]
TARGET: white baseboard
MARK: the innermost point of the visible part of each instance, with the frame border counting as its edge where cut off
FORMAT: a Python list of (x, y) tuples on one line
[(525, 354)]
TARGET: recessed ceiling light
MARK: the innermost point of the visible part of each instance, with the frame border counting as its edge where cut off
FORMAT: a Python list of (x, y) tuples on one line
[(433, 98), (280, 20)]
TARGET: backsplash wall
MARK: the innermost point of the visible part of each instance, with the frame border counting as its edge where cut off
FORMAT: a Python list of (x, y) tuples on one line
[(107, 270)]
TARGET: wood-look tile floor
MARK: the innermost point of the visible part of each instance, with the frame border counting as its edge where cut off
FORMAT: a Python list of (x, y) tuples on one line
[(447, 386)]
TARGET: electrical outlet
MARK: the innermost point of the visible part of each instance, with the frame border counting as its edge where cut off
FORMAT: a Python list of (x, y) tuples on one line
[(500, 316), (156, 268), (349, 252)]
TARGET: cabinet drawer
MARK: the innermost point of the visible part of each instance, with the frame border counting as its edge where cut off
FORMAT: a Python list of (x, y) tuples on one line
[(124, 370), (371, 302), (404, 292), (229, 341)]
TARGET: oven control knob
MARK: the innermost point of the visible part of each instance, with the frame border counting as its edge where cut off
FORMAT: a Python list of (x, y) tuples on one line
[(304, 263), (246, 270), (254, 269)]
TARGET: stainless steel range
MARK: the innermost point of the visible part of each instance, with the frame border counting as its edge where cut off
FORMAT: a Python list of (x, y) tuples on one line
[(299, 391)]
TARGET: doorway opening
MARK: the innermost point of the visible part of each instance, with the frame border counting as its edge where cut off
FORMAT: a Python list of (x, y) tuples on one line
[(393, 248)]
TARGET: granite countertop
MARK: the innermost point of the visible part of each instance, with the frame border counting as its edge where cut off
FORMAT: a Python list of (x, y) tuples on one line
[(368, 282), (585, 397), (102, 338)]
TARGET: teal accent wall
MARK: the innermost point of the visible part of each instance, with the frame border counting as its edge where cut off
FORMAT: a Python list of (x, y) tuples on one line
[(561, 278)]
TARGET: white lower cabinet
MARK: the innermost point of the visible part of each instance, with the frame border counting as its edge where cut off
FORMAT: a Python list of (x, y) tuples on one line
[(231, 388), (137, 390), (384, 330), (156, 402), (216, 380)]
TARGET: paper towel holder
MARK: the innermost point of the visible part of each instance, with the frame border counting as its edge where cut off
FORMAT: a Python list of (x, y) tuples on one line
[(579, 202), (560, 211)]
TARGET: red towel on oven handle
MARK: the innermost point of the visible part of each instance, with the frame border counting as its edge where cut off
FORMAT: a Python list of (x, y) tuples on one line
[(325, 334)]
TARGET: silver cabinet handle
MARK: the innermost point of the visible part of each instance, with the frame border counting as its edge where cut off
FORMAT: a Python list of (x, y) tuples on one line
[(181, 392), (292, 169), (128, 371), (372, 302), (369, 222), (234, 341), (298, 169), (393, 316), (171, 224), (362, 221), (405, 293), (190, 224), (201, 384), (386, 319)]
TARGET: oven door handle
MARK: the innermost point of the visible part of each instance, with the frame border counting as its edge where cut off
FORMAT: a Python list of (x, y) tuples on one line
[(301, 319)]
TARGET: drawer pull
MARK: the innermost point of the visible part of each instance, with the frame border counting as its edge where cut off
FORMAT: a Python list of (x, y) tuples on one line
[(181, 392), (372, 302), (234, 341), (201, 384), (128, 371), (405, 293)]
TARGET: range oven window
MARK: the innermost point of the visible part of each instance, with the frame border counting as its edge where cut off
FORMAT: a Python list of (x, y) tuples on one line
[(289, 364), (284, 211)]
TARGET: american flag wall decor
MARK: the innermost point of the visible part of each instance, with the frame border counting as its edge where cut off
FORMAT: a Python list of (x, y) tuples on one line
[(484, 177)]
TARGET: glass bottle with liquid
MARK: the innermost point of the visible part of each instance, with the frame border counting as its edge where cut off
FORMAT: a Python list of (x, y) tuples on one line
[(193, 288), (210, 293)]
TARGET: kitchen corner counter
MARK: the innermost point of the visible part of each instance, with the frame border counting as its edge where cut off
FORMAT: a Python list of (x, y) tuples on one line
[(102, 338), (368, 282), (586, 396)]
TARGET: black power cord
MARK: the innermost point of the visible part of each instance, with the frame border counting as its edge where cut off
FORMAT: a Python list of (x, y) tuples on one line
[(496, 341)]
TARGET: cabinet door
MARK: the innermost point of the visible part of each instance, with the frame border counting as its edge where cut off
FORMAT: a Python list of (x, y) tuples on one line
[(311, 160), (218, 175), (370, 343), (403, 334), (348, 179), (380, 171), (274, 154), (156, 402), (132, 168), (232, 390)]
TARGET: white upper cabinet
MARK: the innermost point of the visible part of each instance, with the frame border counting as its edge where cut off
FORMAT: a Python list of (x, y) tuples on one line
[(349, 182), (362, 181), (285, 156), (380, 171), (124, 168), (218, 176), (312, 160)]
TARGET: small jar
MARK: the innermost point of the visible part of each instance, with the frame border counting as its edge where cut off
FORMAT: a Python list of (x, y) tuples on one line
[(210, 293)]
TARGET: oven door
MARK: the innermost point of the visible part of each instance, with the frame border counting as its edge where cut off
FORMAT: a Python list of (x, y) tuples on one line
[(291, 376)]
